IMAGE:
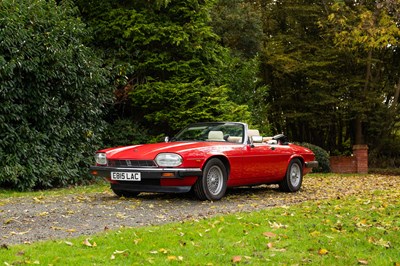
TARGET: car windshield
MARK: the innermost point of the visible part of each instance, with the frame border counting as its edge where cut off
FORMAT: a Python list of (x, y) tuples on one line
[(224, 132)]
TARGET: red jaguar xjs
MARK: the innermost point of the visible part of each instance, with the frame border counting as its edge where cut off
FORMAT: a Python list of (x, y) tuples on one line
[(206, 158)]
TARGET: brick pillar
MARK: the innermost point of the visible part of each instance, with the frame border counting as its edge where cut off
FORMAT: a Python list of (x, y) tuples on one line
[(361, 154)]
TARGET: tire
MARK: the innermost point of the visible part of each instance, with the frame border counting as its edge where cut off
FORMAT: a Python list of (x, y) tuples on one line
[(126, 194), (212, 185), (293, 178)]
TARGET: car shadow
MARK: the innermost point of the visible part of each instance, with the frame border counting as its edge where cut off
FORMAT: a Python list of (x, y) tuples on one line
[(236, 192)]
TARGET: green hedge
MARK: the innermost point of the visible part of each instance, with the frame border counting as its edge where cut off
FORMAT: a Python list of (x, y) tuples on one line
[(321, 156), (52, 95)]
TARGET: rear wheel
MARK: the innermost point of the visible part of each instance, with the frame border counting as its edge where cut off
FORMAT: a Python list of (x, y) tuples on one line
[(293, 178), (126, 194), (212, 185)]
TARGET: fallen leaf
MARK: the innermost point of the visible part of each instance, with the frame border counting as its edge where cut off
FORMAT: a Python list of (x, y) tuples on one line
[(87, 243), (322, 251), (120, 251), (117, 252), (269, 234), (276, 225), (37, 199), (20, 233), (163, 250), (269, 245), (8, 221), (121, 215), (315, 233), (68, 243), (236, 259), (362, 262)]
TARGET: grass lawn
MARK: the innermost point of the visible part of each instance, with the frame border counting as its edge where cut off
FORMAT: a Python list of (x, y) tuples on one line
[(356, 230)]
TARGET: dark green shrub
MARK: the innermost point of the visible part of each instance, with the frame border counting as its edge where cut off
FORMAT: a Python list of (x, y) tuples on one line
[(321, 156), (52, 92), (125, 132)]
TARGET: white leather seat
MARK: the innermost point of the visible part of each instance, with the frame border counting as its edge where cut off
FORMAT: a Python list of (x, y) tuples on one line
[(215, 136), (253, 132)]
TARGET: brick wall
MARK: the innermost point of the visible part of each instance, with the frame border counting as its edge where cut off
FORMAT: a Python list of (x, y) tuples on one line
[(361, 154), (343, 164), (358, 163)]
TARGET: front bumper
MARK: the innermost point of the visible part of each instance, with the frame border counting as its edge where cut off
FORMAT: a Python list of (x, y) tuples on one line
[(311, 164), (152, 179), (147, 173)]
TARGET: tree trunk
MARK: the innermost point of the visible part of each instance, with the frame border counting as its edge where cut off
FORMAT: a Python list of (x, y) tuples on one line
[(396, 96), (359, 136)]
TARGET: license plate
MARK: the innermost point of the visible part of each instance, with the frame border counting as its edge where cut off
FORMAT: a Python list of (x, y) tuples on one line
[(125, 176)]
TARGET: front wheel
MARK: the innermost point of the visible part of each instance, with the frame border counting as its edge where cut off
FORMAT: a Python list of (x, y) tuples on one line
[(212, 185), (293, 178)]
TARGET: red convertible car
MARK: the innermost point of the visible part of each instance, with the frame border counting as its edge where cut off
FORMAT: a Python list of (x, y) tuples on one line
[(206, 158)]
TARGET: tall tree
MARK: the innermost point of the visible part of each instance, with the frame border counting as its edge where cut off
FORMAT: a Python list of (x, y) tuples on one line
[(322, 85), (238, 23), (370, 31), (157, 49), (52, 93), (299, 66)]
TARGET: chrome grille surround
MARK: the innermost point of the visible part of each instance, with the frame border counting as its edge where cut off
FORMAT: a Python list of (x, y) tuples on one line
[(131, 163)]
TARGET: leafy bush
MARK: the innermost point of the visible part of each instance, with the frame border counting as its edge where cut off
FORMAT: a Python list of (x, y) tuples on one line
[(125, 132), (321, 156), (52, 92)]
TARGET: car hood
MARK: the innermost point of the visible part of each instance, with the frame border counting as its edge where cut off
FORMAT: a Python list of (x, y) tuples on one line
[(150, 151)]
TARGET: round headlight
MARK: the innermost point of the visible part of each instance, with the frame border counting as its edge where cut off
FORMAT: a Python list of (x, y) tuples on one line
[(168, 159), (101, 158)]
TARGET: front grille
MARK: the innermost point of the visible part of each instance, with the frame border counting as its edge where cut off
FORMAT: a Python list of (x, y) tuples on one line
[(131, 163)]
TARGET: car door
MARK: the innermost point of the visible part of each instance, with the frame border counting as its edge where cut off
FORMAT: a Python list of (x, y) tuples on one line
[(265, 162)]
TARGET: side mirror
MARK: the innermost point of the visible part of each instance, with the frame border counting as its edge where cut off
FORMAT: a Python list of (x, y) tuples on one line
[(166, 139)]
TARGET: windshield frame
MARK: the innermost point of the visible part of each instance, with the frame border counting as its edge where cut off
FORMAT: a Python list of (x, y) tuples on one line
[(200, 131)]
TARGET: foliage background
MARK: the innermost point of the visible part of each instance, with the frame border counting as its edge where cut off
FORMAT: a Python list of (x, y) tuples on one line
[(52, 95), (78, 74)]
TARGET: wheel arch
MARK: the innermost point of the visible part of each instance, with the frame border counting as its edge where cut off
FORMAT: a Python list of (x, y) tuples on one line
[(299, 157), (223, 159), (302, 161)]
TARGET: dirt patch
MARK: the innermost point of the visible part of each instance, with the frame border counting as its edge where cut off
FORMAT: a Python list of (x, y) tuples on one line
[(30, 219)]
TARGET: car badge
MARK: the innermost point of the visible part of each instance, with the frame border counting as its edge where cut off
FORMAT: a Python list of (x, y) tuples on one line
[(128, 162)]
